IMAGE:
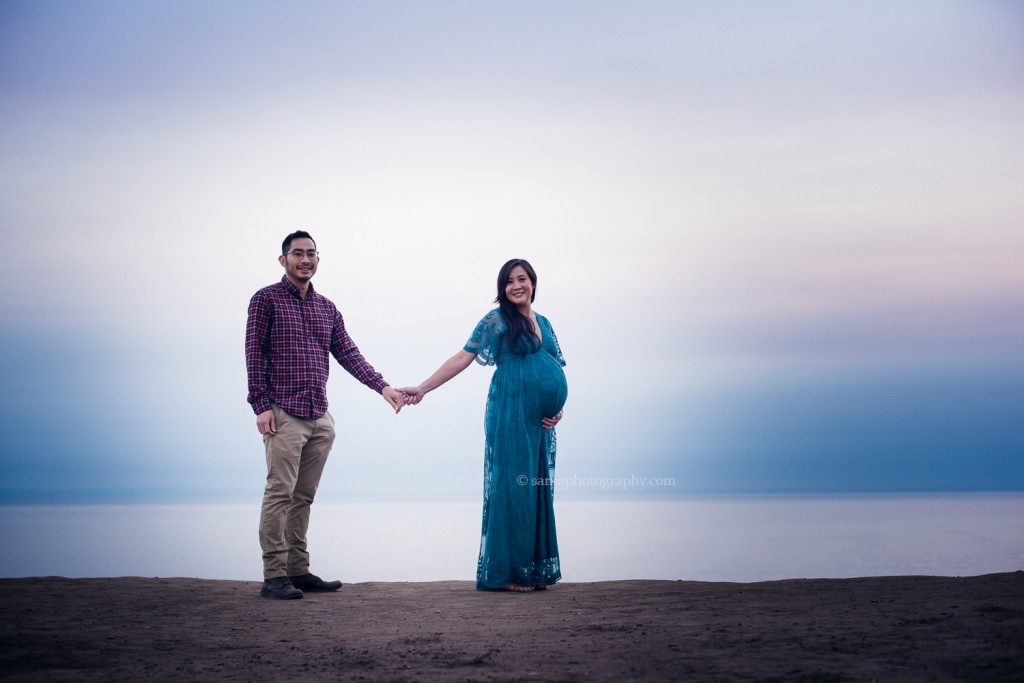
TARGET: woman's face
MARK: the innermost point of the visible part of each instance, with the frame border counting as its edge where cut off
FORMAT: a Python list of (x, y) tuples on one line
[(518, 288)]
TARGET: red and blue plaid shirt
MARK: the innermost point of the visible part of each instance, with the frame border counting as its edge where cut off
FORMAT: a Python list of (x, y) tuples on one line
[(287, 342)]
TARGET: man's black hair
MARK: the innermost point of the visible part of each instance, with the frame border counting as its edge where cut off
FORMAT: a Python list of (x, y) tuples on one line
[(298, 234)]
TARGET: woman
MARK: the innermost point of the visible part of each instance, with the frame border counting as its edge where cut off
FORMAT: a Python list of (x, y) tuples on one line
[(518, 546)]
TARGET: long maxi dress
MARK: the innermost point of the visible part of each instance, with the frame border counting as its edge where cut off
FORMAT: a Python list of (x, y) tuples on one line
[(518, 544)]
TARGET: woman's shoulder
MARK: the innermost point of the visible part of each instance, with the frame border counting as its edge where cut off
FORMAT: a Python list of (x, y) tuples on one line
[(493, 318), (490, 326)]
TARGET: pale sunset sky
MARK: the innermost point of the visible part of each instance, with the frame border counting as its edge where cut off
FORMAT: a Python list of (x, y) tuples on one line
[(781, 243)]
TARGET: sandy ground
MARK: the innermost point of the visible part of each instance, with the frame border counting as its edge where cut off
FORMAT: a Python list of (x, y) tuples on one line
[(884, 629)]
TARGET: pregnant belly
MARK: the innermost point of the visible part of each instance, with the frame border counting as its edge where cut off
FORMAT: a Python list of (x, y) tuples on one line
[(548, 386)]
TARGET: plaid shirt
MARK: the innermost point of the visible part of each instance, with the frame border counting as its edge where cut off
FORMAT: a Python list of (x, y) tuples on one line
[(287, 339)]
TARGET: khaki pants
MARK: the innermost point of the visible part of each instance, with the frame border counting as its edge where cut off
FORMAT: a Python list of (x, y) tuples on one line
[(296, 456)]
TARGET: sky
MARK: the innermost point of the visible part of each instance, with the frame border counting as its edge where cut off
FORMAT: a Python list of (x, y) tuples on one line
[(780, 243)]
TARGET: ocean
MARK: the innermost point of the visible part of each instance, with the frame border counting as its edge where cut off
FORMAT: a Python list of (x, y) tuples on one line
[(702, 538)]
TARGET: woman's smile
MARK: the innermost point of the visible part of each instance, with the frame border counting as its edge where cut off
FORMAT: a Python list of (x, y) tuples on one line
[(519, 288)]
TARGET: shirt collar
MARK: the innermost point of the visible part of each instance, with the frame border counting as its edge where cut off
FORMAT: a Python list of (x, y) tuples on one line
[(293, 290)]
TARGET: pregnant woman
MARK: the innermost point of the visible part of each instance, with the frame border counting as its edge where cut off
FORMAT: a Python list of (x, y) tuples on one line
[(518, 546)]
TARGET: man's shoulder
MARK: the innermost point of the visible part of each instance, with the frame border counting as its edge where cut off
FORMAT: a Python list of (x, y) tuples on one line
[(265, 296), (273, 289)]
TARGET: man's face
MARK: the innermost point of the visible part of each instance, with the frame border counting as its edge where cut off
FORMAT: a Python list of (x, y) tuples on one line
[(301, 260)]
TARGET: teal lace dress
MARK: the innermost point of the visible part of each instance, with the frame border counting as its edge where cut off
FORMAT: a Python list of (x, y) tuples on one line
[(518, 542)]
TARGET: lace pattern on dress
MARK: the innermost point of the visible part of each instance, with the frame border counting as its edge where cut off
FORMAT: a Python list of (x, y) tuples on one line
[(486, 338)]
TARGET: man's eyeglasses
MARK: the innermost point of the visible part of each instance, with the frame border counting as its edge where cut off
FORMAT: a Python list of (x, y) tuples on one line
[(299, 253)]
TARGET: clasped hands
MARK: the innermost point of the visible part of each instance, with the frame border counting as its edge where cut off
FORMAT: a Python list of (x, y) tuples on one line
[(399, 398)]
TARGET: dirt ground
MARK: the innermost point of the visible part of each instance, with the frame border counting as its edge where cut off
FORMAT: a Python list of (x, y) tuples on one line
[(152, 629)]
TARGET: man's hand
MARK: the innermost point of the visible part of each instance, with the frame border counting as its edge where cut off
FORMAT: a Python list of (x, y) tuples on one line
[(394, 397), (265, 422), (413, 395)]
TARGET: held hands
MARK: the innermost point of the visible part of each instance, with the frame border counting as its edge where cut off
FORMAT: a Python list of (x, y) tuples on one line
[(394, 397), (406, 396), (399, 398), (413, 395)]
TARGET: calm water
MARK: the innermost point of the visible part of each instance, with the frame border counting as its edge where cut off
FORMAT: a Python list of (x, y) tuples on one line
[(747, 538)]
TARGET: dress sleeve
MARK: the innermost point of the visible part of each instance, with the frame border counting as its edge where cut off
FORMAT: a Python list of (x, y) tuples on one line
[(486, 338), (554, 338)]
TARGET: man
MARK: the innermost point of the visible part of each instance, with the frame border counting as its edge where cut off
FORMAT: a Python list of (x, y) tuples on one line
[(290, 331)]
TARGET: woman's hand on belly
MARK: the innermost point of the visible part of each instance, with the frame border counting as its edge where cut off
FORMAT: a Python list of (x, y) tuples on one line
[(550, 422)]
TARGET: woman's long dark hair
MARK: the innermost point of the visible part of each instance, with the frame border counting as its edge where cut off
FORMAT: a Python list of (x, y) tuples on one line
[(520, 328)]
